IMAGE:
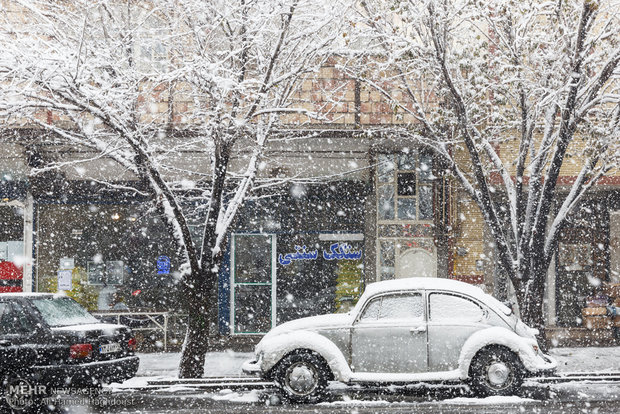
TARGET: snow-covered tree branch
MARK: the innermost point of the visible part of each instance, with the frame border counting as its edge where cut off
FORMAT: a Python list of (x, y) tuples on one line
[(146, 83), (483, 80)]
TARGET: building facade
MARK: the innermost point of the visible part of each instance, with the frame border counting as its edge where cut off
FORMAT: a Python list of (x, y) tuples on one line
[(369, 208)]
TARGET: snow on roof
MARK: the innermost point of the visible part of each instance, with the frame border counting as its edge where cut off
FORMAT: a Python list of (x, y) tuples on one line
[(425, 283)]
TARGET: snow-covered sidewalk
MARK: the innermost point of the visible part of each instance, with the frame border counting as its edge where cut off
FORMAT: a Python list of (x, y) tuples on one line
[(217, 364), (587, 359), (228, 363)]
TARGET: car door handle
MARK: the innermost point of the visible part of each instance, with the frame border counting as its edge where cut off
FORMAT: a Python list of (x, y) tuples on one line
[(419, 329)]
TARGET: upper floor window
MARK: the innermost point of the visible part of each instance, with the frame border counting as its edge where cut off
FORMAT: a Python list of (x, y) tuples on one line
[(152, 51), (404, 186)]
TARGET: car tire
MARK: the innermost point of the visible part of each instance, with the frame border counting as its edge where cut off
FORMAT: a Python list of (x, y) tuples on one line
[(302, 377), (496, 371)]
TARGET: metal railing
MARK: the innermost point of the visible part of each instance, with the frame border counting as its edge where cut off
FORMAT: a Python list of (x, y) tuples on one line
[(139, 317)]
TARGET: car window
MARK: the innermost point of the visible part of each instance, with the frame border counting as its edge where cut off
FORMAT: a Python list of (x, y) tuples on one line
[(445, 307), (402, 307), (410, 307), (13, 319), (63, 311), (372, 310)]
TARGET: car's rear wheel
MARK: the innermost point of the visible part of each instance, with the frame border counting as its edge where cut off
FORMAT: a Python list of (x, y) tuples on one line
[(302, 376), (496, 371)]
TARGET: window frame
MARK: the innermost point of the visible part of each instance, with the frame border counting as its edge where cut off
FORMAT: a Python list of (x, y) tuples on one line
[(272, 283), (420, 183)]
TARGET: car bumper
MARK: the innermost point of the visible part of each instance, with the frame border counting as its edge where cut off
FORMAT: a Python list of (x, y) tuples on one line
[(91, 373), (544, 365), (252, 367)]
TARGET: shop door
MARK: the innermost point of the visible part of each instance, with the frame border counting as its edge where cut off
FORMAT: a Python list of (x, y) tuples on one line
[(253, 271), (572, 288), (576, 279)]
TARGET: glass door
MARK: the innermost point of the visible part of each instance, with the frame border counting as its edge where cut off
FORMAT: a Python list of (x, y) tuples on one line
[(253, 275)]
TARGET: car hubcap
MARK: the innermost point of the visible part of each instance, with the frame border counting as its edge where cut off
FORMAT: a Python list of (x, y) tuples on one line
[(498, 374), (301, 378)]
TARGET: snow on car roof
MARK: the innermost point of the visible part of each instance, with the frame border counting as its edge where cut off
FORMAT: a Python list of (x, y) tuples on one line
[(426, 283), (31, 294), (107, 327)]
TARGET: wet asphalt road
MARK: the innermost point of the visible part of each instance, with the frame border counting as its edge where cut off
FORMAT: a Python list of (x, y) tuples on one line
[(599, 398)]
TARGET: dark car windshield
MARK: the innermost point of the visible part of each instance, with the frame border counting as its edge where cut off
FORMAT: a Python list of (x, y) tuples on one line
[(63, 311)]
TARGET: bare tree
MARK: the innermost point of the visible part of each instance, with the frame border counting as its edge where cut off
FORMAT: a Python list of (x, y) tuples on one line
[(152, 83), (477, 81)]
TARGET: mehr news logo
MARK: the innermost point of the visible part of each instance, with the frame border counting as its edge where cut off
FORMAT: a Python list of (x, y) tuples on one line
[(20, 395)]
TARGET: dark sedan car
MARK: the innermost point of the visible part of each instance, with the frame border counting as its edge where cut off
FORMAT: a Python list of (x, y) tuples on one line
[(51, 342)]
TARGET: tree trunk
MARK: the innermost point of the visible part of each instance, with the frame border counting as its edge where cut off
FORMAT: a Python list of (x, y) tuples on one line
[(201, 305), (530, 291), (531, 304), (195, 346)]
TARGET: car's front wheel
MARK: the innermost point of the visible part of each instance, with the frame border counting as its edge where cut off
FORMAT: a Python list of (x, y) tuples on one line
[(496, 371), (302, 376)]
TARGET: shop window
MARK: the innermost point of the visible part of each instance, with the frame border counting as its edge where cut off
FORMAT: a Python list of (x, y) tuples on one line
[(106, 273), (11, 248), (253, 272), (404, 187), (317, 274)]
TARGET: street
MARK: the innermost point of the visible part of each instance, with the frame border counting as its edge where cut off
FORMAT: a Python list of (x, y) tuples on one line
[(575, 397)]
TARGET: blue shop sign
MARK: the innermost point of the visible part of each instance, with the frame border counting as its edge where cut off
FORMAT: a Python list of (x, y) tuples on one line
[(163, 265), (341, 251), (337, 251)]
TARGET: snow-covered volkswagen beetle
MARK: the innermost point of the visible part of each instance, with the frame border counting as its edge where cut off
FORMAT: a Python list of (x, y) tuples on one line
[(404, 331)]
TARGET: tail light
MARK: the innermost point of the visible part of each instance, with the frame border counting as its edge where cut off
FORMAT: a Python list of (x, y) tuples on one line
[(78, 351), (131, 344)]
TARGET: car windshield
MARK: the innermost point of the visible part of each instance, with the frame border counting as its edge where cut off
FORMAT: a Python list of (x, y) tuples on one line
[(63, 311)]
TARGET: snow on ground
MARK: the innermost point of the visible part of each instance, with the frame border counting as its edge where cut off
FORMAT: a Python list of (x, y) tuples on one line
[(165, 365), (587, 359), (230, 395), (497, 400), (217, 364)]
